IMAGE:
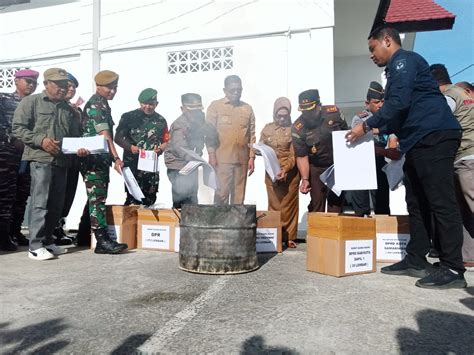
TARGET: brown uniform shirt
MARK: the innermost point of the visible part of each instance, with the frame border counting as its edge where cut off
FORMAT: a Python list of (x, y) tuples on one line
[(235, 126), (279, 138), (316, 142)]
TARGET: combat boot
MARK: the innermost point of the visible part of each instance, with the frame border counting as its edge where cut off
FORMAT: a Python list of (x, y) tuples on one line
[(106, 245), (6, 243)]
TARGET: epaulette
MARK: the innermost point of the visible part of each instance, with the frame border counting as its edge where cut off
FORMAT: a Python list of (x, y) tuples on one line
[(331, 109), (298, 125), (363, 114)]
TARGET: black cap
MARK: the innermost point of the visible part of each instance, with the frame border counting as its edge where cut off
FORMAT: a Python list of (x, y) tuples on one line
[(192, 101), (308, 100), (375, 91)]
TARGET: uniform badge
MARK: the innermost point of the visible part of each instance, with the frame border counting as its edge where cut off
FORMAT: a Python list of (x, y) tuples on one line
[(298, 125), (363, 114), (400, 64), (331, 109), (331, 122), (314, 150)]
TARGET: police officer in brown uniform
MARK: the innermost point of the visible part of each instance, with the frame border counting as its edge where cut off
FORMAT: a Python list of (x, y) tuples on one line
[(312, 141), (234, 122)]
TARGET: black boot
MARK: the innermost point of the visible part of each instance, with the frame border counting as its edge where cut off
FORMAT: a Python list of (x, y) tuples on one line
[(106, 245), (6, 243)]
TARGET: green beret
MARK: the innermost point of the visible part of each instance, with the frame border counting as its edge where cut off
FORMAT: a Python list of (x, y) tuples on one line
[(106, 77), (147, 95)]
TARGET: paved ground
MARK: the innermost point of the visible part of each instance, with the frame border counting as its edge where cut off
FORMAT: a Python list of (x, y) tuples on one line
[(141, 302)]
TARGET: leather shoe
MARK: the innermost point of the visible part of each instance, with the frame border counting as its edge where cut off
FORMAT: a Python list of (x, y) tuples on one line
[(443, 278), (406, 269)]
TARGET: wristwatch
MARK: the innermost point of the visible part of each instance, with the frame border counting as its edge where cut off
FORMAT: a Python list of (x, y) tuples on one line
[(366, 127)]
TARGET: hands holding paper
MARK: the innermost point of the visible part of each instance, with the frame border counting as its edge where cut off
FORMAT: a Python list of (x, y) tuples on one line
[(281, 176), (355, 133)]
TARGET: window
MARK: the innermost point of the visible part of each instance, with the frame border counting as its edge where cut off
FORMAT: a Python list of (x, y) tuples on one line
[(7, 77), (200, 60)]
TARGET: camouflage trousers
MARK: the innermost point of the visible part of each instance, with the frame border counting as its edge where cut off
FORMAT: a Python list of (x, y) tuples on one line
[(14, 186), (97, 183), (148, 183)]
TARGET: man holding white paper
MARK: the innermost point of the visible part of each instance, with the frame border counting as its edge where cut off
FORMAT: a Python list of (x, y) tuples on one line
[(143, 135), (190, 132)]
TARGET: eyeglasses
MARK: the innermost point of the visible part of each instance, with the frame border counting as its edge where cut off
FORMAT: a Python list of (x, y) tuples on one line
[(30, 81), (63, 84)]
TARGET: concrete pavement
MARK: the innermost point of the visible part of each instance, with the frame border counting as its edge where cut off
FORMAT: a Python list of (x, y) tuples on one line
[(141, 302)]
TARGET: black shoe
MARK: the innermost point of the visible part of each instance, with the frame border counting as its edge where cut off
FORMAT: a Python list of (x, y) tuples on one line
[(406, 269), (6, 244), (443, 278), (20, 239), (433, 253), (106, 245), (61, 239)]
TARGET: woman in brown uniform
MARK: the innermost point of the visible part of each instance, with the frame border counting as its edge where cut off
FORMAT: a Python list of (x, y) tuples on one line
[(283, 193)]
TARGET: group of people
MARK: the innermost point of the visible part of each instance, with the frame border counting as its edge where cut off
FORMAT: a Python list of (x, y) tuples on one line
[(411, 117)]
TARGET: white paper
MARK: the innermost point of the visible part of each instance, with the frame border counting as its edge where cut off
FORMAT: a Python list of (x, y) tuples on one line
[(156, 236), (394, 172), (392, 246), (177, 237), (354, 164), (267, 240), (148, 161), (327, 177), (359, 255), (95, 145), (131, 184), (209, 174), (270, 159)]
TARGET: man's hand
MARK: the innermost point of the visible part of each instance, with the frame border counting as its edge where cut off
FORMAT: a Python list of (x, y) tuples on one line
[(19, 145), (213, 160), (393, 153), (51, 146), (251, 166), (305, 186), (83, 152), (281, 176), (118, 165), (134, 149), (355, 133)]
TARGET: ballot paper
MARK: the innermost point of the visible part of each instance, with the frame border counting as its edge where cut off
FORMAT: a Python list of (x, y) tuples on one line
[(95, 144), (148, 161), (327, 177), (209, 174), (354, 164), (131, 184), (270, 159), (394, 172)]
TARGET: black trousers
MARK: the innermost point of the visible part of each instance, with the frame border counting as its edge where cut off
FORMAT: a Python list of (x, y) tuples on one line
[(429, 182)]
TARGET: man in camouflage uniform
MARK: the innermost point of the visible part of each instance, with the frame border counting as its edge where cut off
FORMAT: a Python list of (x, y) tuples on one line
[(14, 182), (189, 131), (312, 141), (140, 130), (97, 120)]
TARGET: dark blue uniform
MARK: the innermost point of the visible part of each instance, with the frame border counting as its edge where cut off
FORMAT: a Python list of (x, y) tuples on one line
[(416, 111)]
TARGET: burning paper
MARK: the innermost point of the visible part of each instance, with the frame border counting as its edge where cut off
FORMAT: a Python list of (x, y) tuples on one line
[(270, 159)]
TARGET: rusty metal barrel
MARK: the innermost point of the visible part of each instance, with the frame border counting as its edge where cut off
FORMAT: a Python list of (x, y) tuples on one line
[(218, 239)]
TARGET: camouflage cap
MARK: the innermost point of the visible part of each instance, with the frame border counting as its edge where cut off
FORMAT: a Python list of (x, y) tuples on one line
[(147, 95), (106, 77), (55, 74)]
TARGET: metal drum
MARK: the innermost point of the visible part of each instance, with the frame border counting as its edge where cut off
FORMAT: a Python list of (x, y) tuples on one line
[(218, 239)]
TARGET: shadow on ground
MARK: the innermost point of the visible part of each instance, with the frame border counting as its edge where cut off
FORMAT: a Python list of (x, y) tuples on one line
[(130, 345), (439, 333), (26, 339), (256, 345)]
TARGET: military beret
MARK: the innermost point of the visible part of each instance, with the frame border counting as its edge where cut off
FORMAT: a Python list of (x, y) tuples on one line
[(72, 78), (106, 77), (308, 100), (55, 74), (192, 101), (147, 95), (375, 91), (27, 73)]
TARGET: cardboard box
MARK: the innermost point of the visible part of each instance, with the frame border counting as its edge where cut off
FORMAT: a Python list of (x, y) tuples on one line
[(269, 232), (122, 225), (340, 245), (158, 229), (393, 234)]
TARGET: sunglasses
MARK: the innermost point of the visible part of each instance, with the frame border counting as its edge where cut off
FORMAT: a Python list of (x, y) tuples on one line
[(30, 81)]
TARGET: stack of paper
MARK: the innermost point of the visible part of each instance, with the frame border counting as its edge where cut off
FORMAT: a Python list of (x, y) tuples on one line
[(95, 145), (209, 174), (270, 159), (132, 184), (148, 161)]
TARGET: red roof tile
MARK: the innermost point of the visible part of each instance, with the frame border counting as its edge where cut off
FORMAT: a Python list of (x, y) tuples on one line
[(415, 10)]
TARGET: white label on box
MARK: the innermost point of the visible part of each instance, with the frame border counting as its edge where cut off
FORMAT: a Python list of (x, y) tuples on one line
[(359, 255), (392, 246), (267, 239), (112, 230), (177, 234), (156, 236)]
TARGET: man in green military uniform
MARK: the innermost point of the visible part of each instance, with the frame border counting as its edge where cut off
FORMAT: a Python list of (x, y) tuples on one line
[(189, 131), (138, 131), (312, 141), (97, 120)]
